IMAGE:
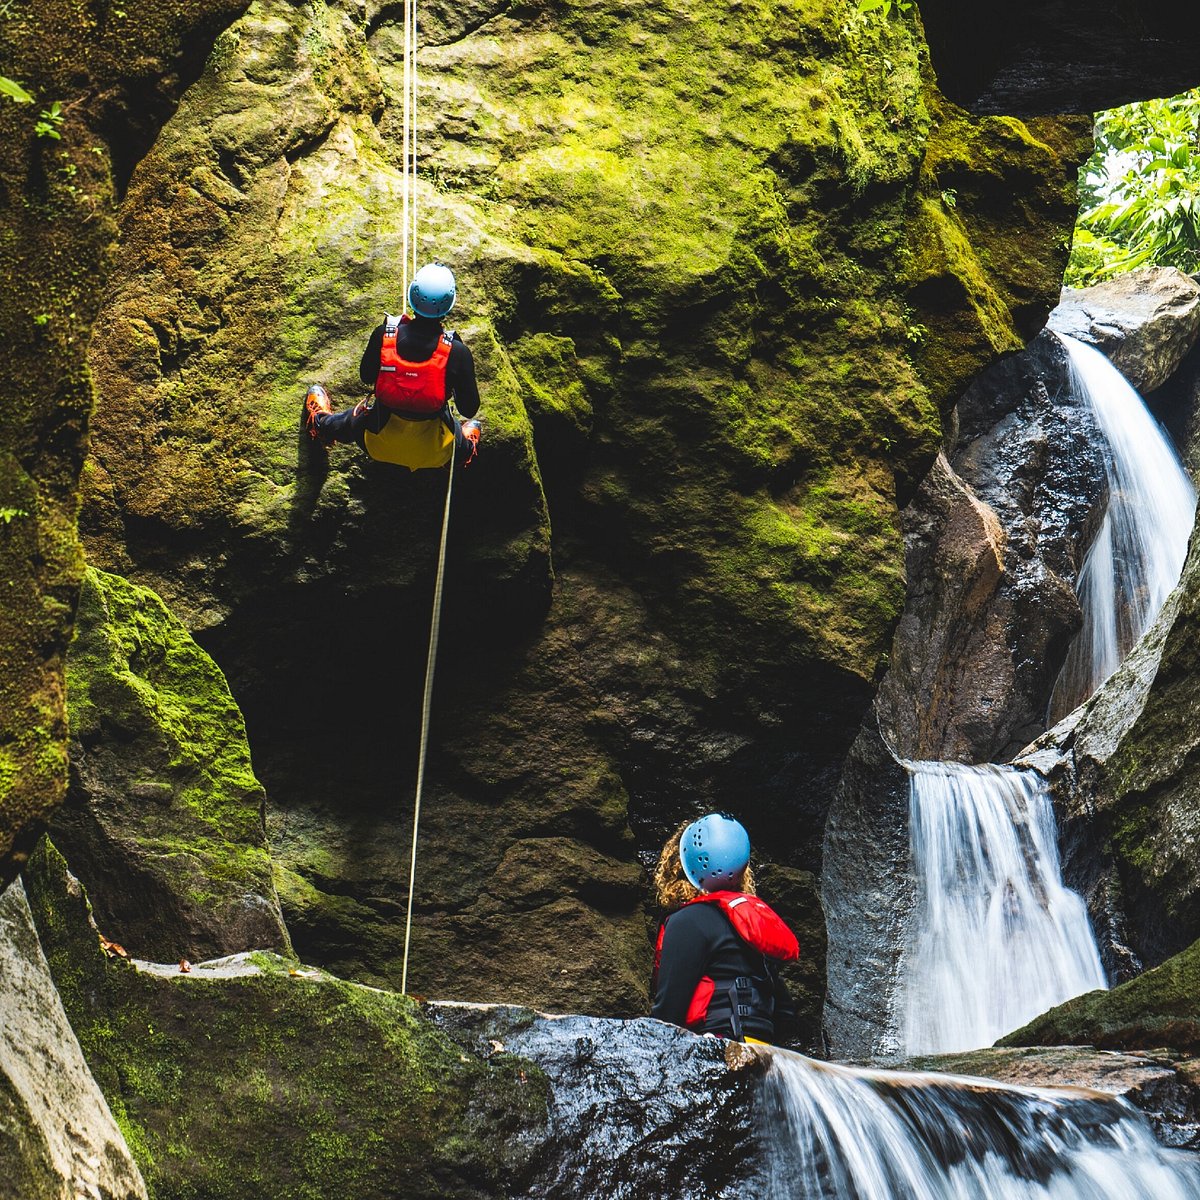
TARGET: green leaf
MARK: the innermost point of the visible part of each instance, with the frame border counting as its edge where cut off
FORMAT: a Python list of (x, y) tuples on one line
[(11, 88)]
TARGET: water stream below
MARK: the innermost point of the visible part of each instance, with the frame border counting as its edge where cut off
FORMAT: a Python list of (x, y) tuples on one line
[(845, 1133)]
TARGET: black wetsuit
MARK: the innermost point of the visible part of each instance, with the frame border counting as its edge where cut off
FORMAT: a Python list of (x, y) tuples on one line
[(416, 340), (699, 940)]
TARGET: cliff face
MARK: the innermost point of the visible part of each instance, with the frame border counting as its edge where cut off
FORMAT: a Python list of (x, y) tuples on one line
[(100, 81), (721, 273)]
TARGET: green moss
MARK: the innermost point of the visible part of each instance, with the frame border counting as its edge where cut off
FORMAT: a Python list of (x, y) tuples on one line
[(1160, 1008), (280, 1083), (166, 787)]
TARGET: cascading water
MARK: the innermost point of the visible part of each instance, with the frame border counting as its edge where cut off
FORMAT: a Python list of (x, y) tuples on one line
[(841, 1133), (996, 938), (1138, 552)]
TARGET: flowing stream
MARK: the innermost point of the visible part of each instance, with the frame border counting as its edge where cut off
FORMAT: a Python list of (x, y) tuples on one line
[(997, 939), (1138, 552), (843, 1133)]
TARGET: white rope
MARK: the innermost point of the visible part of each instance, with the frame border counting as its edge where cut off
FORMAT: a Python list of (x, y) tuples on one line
[(413, 107), (409, 251), (434, 628), (407, 125), (409, 255)]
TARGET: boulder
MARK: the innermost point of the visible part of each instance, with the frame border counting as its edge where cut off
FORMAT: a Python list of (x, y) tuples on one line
[(164, 813), (714, 369), (58, 1139), (1146, 322), (1160, 1008), (253, 1074), (636, 1108), (995, 537)]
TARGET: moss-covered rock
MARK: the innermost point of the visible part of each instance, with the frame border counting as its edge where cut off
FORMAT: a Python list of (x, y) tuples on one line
[(99, 80), (164, 813), (266, 1078), (722, 270), (1158, 1009)]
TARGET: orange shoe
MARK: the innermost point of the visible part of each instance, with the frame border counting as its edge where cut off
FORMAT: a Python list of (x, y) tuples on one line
[(470, 431), (316, 402)]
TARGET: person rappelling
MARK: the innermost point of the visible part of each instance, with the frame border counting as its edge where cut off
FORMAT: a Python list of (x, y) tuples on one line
[(415, 367), (720, 949)]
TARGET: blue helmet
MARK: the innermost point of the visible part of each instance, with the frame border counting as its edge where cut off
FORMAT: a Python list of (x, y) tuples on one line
[(432, 291), (714, 850)]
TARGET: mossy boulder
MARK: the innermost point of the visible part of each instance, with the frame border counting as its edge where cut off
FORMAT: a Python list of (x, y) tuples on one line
[(164, 813), (265, 1078), (1158, 1009), (255, 1075), (722, 270)]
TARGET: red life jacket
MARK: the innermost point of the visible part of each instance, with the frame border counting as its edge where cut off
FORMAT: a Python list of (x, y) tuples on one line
[(412, 389), (756, 923)]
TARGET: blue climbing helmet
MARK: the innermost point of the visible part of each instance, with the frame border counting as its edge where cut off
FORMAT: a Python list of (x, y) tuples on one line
[(714, 851), (432, 291)]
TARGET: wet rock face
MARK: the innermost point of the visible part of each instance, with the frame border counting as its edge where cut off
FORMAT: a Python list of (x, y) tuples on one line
[(58, 1139), (995, 539), (867, 893), (713, 369), (666, 1113), (164, 814), (1145, 322), (1039, 56)]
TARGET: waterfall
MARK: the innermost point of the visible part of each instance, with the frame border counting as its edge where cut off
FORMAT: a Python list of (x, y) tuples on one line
[(996, 939), (842, 1133), (1139, 549)]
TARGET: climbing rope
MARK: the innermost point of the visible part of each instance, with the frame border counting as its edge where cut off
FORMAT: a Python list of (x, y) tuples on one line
[(409, 269), (427, 707), (409, 233)]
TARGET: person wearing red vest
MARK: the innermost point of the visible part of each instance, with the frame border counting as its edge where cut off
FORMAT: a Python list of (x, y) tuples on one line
[(415, 367), (716, 966)]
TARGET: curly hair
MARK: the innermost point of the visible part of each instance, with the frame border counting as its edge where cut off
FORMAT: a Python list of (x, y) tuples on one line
[(672, 888)]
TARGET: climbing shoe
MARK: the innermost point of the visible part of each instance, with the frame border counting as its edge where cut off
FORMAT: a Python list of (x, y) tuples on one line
[(470, 431), (316, 401)]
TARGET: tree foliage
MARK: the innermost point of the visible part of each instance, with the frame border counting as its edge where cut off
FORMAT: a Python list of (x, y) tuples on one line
[(1140, 191)]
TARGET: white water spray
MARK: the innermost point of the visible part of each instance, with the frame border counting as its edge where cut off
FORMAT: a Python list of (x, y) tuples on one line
[(996, 939), (840, 1133), (1138, 552)]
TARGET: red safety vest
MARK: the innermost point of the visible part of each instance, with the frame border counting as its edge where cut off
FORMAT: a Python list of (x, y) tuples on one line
[(756, 923), (408, 388)]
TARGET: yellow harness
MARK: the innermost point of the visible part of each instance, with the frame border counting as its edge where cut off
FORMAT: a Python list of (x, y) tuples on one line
[(411, 444)]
